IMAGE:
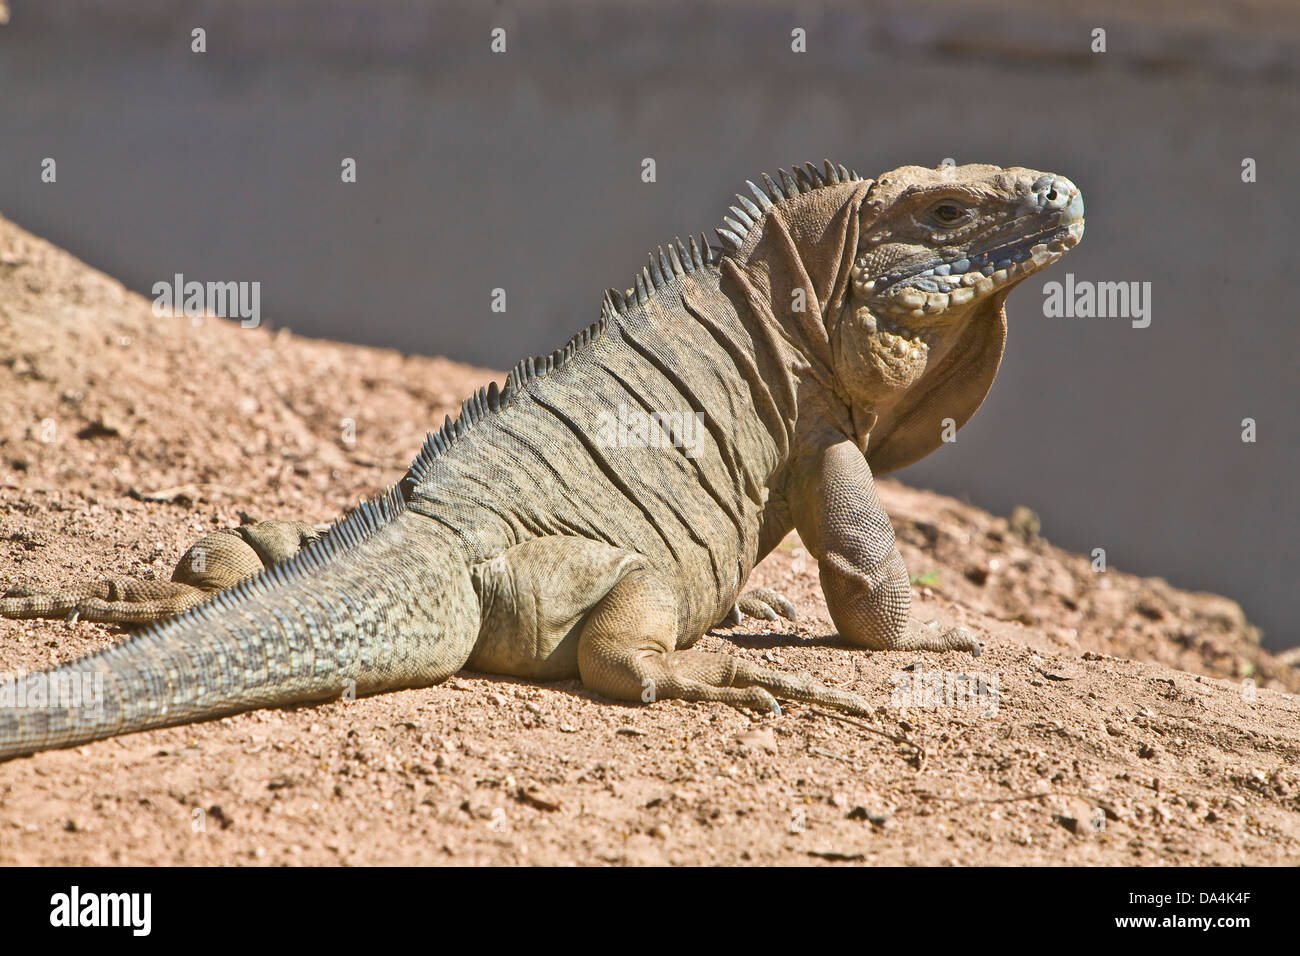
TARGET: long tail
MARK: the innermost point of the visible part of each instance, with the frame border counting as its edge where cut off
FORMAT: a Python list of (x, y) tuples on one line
[(377, 604)]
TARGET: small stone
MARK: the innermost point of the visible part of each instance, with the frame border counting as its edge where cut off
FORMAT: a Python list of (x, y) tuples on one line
[(762, 739), (862, 813)]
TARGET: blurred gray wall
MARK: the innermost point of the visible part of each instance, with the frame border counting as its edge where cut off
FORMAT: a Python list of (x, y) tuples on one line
[(522, 171)]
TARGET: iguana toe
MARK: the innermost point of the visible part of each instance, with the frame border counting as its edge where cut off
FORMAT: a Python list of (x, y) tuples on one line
[(764, 603)]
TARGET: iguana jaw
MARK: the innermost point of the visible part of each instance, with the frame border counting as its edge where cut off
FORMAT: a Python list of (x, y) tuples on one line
[(956, 281)]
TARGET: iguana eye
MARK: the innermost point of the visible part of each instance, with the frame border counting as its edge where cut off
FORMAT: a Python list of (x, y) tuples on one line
[(948, 214)]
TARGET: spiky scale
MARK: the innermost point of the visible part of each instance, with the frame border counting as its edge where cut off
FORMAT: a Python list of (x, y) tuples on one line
[(665, 266), (683, 254), (754, 212), (730, 237), (734, 226), (674, 260), (742, 217), (773, 189), (845, 175), (788, 183)]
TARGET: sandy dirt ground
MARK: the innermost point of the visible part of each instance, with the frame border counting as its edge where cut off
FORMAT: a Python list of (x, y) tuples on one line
[(1122, 721)]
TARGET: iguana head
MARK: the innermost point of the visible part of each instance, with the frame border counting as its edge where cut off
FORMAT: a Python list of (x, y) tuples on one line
[(921, 325), (936, 248)]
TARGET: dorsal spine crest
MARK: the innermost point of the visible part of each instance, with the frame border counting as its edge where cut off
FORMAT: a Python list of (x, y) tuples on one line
[(662, 268)]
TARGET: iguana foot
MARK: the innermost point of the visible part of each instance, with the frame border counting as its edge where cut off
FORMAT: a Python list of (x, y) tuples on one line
[(762, 603), (704, 675), (921, 637), (933, 637), (218, 561), (113, 601)]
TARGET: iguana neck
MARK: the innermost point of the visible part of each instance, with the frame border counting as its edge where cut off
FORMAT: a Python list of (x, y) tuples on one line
[(790, 272)]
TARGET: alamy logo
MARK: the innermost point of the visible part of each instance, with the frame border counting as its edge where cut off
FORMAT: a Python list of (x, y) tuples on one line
[(55, 690), (634, 428), (933, 689), (1101, 300), (103, 909), (226, 300)]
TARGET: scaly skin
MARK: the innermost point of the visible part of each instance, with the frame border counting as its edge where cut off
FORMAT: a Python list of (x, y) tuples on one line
[(845, 321)]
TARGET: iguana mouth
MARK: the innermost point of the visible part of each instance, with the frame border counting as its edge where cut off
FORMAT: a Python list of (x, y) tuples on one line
[(954, 282)]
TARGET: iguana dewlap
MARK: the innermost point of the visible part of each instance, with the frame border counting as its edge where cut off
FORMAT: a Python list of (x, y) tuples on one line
[(601, 511)]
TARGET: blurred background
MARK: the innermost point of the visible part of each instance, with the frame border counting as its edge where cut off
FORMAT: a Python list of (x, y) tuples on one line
[(522, 170)]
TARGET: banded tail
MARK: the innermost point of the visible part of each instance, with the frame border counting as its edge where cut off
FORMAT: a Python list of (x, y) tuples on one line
[(354, 610)]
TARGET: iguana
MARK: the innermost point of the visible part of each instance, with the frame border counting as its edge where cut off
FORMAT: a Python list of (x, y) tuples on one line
[(840, 325)]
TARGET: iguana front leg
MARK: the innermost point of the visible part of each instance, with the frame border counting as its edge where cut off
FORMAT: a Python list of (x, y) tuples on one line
[(862, 574), (216, 562)]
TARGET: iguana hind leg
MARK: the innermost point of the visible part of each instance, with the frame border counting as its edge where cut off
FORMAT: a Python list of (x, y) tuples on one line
[(564, 606), (216, 562), (628, 651)]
